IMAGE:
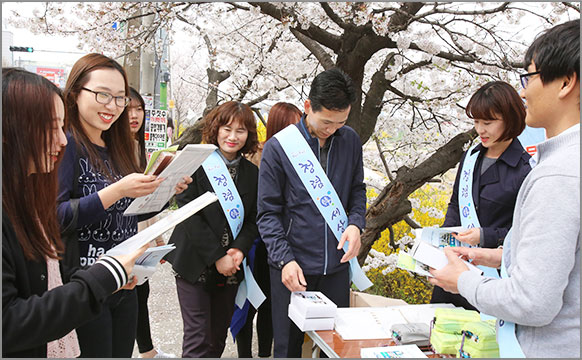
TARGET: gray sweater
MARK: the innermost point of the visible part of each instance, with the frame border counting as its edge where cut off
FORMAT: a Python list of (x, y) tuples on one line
[(542, 294)]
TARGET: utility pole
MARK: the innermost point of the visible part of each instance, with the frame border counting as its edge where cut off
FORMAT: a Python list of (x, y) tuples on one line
[(147, 64), (131, 62)]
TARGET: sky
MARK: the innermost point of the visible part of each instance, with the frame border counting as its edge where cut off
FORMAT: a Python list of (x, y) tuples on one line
[(23, 37)]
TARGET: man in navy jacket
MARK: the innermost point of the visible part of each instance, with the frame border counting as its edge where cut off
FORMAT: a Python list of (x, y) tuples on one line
[(303, 252)]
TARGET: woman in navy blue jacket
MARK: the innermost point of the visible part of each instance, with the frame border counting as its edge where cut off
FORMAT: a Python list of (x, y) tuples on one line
[(501, 166)]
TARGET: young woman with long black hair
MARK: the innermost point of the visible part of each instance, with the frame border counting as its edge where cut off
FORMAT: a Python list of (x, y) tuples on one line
[(39, 314)]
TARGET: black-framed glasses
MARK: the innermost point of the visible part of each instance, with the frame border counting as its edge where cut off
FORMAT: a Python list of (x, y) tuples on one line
[(105, 98), (524, 78)]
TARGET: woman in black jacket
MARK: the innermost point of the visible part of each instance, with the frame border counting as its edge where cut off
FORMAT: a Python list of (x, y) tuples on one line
[(208, 255), (500, 167), (39, 314)]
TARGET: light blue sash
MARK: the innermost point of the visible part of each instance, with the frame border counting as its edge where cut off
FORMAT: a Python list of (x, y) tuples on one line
[(321, 191), (530, 138), (506, 337), (467, 212), (234, 211)]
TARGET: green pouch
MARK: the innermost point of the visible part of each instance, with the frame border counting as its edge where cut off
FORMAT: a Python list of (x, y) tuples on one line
[(468, 351), (481, 334), (445, 343), (449, 320), (480, 340)]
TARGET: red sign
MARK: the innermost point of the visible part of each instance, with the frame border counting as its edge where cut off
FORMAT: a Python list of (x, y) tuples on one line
[(531, 150), (55, 75)]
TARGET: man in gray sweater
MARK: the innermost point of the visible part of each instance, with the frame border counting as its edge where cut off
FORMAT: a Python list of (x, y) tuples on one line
[(541, 293)]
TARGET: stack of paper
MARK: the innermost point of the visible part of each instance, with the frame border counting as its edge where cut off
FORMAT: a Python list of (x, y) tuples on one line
[(311, 310), (376, 322), (400, 351), (366, 323)]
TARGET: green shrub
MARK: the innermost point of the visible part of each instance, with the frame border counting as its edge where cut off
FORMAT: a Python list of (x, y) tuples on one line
[(429, 207)]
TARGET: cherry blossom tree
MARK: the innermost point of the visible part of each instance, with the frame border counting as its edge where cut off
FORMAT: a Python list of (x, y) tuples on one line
[(414, 65)]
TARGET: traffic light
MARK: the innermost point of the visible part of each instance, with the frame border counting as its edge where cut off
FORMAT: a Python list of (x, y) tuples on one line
[(22, 48)]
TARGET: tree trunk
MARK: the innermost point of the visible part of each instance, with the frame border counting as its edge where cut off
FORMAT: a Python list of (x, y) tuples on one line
[(392, 205)]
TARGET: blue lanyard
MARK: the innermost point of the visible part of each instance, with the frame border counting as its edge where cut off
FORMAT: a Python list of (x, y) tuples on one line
[(234, 212), (225, 190), (506, 337), (467, 211), (321, 192)]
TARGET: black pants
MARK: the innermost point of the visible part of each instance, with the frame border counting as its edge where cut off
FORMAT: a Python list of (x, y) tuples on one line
[(288, 338), (112, 333), (206, 318), (264, 319), (441, 296), (143, 336)]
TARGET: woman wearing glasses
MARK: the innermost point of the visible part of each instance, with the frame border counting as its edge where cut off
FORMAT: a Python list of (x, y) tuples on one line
[(98, 178), (491, 171)]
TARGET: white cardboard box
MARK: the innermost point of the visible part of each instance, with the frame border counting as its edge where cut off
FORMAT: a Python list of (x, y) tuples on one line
[(312, 304), (308, 324)]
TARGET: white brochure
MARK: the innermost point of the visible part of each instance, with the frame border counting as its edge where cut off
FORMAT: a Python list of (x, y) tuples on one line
[(184, 163), (164, 224)]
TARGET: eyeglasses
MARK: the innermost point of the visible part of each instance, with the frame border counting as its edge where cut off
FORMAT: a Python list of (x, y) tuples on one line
[(105, 98), (524, 78)]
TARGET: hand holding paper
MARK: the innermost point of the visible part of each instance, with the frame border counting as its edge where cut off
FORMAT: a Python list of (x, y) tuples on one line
[(183, 185), (128, 262), (448, 276), (471, 236), (480, 256), (183, 164)]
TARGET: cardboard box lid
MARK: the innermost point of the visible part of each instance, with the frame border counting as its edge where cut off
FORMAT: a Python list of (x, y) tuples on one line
[(360, 299)]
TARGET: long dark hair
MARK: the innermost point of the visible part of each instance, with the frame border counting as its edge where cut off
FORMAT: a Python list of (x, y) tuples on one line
[(118, 137), (140, 135), (29, 201)]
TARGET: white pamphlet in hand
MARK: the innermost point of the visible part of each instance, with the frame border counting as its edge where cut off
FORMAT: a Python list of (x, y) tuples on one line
[(146, 264), (434, 257), (152, 256), (164, 224), (407, 262), (183, 164), (440, 237)]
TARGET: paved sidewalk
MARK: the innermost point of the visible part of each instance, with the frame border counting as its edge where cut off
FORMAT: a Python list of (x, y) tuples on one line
[(165, 318)]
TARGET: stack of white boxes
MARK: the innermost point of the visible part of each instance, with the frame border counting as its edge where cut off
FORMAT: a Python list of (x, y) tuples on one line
[(311, 310)]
